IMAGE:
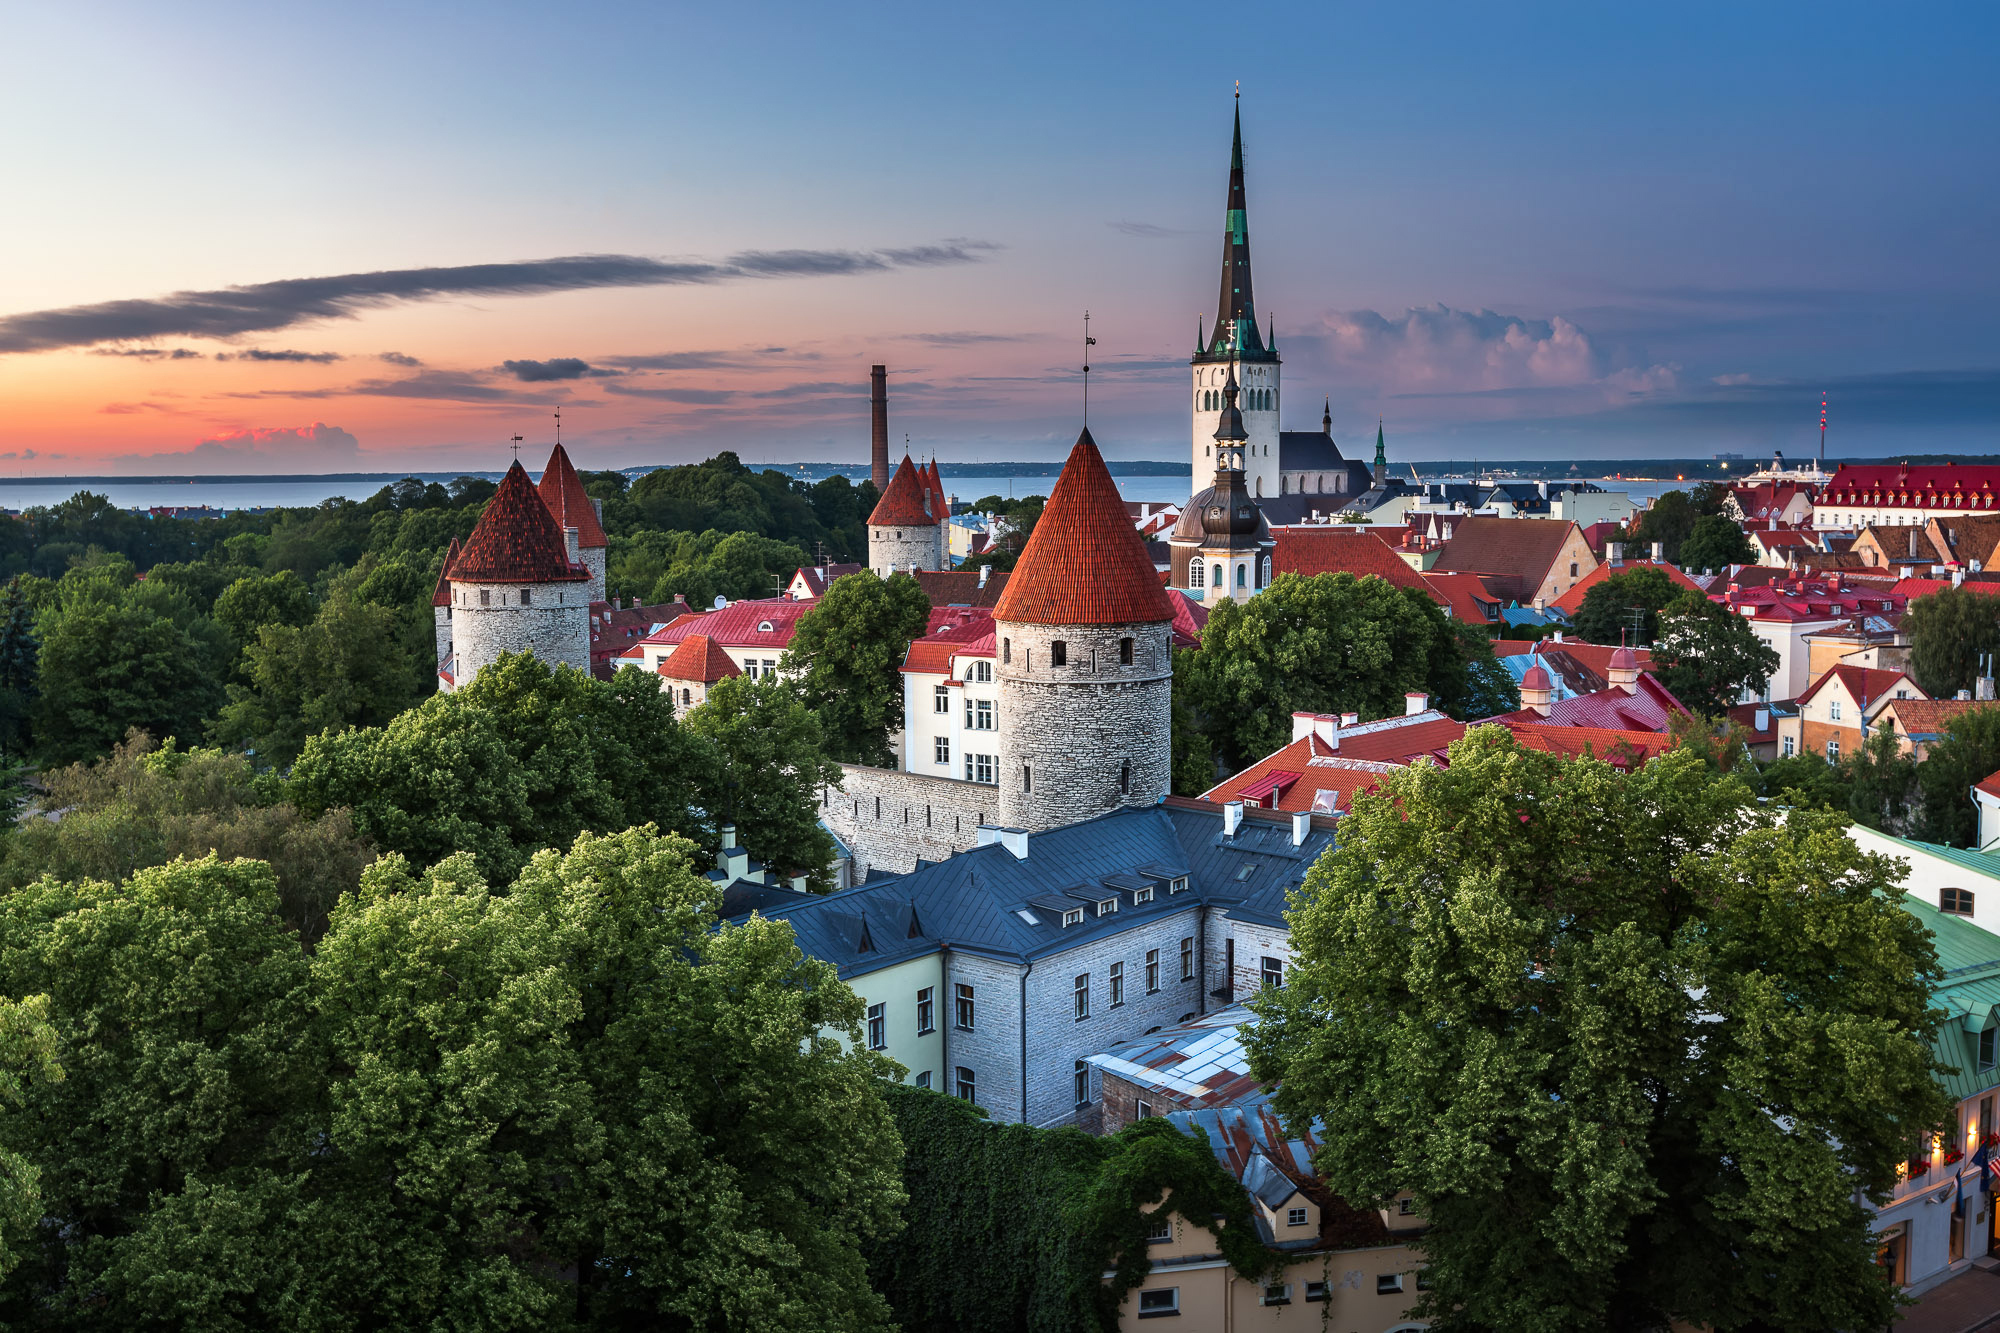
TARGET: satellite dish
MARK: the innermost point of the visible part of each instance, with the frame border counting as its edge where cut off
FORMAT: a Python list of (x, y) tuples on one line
[(721, 602)]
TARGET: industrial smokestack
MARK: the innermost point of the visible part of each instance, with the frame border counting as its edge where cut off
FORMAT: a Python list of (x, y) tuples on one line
[(878, 402)]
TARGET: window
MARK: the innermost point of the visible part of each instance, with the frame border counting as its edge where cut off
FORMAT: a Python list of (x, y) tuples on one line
[(941, 699), (1315, 1291), (1159, 1227), (1159, 1301), (526, 597), (1832, 749), (1073, 917), (1216, 570), (1986, 1048), (1082, 996), (966, 1088), (1144, 895), (982, 715), (1058, 653), (1278, 1293), (1833, 710), (1117, 984), (941, 749), (923, 1078), (485, 597), (1007, 651), (1787, 747), (1902, 694), (1958, 902), (1125, 652), (965, 1011), (1388, 1284), (1179, 884), (1572, 569), (1106, 906), (1295, 1217), (1083, 1082), (1187, 958), (979, 768), (1406, 1207), (878, 1027), (982, 671), (1242, 575), (1152, 970), (1027, 778), (1195, 579), (1142, 1110), (1274, 973), (1125, 778), (1265, 581), (926, 1015)]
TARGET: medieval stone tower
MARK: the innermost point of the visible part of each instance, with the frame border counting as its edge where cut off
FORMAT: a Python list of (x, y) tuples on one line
[(907, 528), (519, 585), (1084, 647), (562, 491), (1236, 348)]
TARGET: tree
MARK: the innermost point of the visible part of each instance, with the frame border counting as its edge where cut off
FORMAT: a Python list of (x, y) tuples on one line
[(1326, 644), (145, 806), (1881, 782), (847, 656), (1968, 754), (1715, 543), (1476, 685), (191, 1086), (112, 660), (1668, 520), (249, 604), (1625, 608), (1709, 657), (774, 753), (524, 757), (349, 667), (20, 675), (27, 1050), (1806, 780), (1639, 1046), (1950, 631), (599, 1107)]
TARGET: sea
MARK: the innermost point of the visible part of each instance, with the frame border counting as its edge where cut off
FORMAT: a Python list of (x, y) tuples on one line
[(304, 492)]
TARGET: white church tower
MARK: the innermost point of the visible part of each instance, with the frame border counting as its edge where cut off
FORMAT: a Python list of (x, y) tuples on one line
[(1236, 346)]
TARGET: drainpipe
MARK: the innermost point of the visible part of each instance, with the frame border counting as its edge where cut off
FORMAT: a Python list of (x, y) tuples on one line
[(1024, 1042), (1201, 957), (948, 999)]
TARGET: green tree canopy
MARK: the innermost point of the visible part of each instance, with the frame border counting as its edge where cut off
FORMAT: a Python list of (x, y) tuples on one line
[(1714, 542), (1325, 644), (1950, 631), (773, 752), (1639, 1046), (1709, 656), (847, 656), (1968, 754), (1625, 608)]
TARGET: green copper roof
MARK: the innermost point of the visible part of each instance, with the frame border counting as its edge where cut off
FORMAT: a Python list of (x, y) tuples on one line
[(1381, 454), (1235, 334)]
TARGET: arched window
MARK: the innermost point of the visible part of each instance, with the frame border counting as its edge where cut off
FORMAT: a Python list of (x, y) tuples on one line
[(1265, 581), (1007, 651), (1195, 570), (1241, 574), (1220, 582), (1125, 778), (687, 697)]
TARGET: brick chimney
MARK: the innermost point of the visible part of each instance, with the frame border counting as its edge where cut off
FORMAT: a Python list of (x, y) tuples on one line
[(878, 437)]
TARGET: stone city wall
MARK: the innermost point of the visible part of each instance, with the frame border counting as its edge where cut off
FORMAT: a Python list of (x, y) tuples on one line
[(555, 625), (889, 819)]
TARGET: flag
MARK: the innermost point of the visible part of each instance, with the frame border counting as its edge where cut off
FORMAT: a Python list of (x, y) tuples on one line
[(1994, 1167)]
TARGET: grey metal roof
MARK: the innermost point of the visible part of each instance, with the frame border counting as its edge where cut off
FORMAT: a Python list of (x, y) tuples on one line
[(1310, 451), (975, 900)]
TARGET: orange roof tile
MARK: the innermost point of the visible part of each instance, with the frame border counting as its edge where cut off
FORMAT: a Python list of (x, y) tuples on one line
[(1084, 564), (517, 540), (1865, 685), (1304, 551), (699, 658), (1572, 601), (1930, 717), (908, 500), (562, 491), (441, 595)]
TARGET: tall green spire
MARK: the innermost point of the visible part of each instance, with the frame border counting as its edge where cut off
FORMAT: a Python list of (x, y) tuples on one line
[(1236, 307), (1381, 455)]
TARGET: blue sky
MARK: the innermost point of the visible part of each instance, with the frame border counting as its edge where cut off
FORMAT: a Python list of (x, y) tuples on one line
[(1544, 231)]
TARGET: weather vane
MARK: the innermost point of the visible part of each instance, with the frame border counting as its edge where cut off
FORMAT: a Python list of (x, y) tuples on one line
[(558, 428), (517, 448), (1088, 343)]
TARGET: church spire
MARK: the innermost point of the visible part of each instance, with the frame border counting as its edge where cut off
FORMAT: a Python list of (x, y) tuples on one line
[(1381, 455), (1326, 419), (1236, 307)]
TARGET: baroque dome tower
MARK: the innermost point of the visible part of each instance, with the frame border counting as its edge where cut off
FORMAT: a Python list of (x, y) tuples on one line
[(1085, 660), (1222, 544)]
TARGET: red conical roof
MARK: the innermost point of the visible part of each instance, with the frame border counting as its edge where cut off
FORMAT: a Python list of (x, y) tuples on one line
[(1085, 563), (441, 595), (562, 491), (904, 503), (517, 541), (699, 658)]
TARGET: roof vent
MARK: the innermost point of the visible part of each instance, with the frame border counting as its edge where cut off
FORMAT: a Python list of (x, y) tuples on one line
[(1232, 818)]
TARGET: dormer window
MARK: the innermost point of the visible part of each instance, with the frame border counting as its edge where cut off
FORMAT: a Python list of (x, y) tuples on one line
[(1106, 906), (1178, 885), (1144, 895), (764, 627), (1073, 918)]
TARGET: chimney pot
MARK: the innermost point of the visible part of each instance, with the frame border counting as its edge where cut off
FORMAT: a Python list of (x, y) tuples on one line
[(1350, 719), (1232, 818), (728, 836), (1302, 823)]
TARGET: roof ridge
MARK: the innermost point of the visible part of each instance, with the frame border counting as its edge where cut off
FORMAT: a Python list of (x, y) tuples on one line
[(562, 491), (517, 539)]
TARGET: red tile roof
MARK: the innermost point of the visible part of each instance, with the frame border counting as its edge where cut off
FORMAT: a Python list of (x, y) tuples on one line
[(960, 587), (1930, 717), (1190, 619), (1914, 588), (1646, 708), (1572, 601), (699, 658), (1865, 685), (1900, 486), (1594, 657), (1466, 596), (1308, 552), (739, 625), (441, 595), (517, 540), (1084, 563), (1990, 784), (562, 491), (816, 584), (1516, 552), (1745, 716), (952, 631), (908, 500), (1600, 742)]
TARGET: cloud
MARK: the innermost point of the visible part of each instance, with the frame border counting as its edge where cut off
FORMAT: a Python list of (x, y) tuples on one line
[(1437, 351), (556, 368), (705, 397), (128, 409), (445, 385), (966, 339), (232, 312), (1148, 231), (398, 359), (150, 353), (705, 360), (315, 447), (285, 354)]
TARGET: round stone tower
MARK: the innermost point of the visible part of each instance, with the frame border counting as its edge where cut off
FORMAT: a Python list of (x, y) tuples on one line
[(1084, 642), (518, 586), (562, 491), (907, 528)]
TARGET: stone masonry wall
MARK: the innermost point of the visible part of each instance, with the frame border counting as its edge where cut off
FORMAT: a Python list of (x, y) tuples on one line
[(1253, 944), (1072, 727), (891, 550), (443, 617), (1119, 1103), (555, 625), (1057, 1039), (991, 1049), (592, 559), (889, 819)]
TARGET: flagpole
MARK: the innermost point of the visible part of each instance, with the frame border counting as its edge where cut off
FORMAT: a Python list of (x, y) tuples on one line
[(1088, 343)]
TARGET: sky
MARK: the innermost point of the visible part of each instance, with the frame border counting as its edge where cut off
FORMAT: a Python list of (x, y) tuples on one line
[(254, 238)]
